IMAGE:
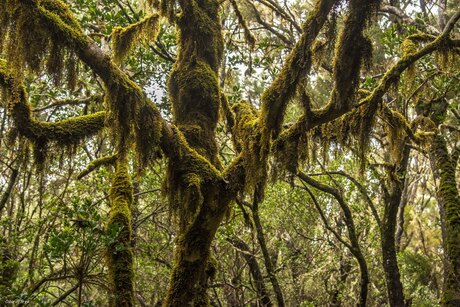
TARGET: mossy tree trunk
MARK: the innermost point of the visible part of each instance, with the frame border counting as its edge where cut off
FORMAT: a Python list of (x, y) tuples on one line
[(195, 96), (119, 253), (448, 194)]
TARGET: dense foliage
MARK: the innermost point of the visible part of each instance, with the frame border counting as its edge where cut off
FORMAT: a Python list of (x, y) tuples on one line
[(229, 153)]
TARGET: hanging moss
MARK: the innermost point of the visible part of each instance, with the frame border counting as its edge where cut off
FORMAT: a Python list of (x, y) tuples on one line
[(352, 51), (188, 177), (63, 133), (290, 150), (194, 179), (134, 118), (29, 44), (409, 47), (247, 138), (125, 39), (277, 96), (119, 253), (148, 129)]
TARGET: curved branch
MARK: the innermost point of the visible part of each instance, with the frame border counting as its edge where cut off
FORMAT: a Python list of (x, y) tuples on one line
[(355, 249), (65, 132), (276, 97), (95, 164), (403, 17), (361, 189), (333, 111), (323, 217)]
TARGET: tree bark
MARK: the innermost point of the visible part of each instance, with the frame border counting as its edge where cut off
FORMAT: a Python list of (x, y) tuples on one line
[(9, 188), (448, 195), (193, 189), (397, 179), (262, 295), (119, 253)]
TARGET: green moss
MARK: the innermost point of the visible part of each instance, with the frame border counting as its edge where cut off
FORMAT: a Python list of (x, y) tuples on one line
[(195, 82), (125, 39), (119, 253), (97, 163), (247, 139), (63, 133), (30, 40), (189, 175), (135, 120), (409, 47), (448, 192)]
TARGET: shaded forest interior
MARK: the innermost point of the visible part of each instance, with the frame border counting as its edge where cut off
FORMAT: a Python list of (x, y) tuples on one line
[(229, 153)]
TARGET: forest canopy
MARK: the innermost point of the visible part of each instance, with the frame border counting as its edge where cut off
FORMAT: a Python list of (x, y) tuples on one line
[(229, 153)]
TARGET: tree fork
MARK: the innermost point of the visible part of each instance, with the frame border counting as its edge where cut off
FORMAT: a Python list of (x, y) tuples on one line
[(195, 97)]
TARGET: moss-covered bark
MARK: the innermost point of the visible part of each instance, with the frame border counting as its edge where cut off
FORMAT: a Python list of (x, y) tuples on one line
[(119, 253), (41, 133), (193, 173), (447, 192)]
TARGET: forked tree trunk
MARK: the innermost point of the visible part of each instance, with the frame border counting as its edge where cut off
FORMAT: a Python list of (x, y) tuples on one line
[(195, 97)]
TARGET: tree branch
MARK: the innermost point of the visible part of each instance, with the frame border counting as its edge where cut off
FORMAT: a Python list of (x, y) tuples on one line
[(65, 132)]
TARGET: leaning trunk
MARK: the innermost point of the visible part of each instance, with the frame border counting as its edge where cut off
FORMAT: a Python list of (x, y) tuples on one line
[(267, 259), (263, 298)]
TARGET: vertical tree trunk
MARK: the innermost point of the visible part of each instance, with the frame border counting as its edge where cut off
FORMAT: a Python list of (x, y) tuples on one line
[(401, 209), (442, 216), (344, 270), (388, 231), (120, 254), (447, 193), (195, 97)]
